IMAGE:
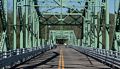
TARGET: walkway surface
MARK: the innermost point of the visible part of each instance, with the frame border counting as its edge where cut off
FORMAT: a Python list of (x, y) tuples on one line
[(62, 58)]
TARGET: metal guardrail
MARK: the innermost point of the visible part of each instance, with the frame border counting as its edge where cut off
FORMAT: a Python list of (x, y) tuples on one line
[(11, 58), (109, 57)]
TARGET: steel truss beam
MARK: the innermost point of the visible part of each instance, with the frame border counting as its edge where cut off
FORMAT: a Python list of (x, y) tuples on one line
[(4, 42), (55, 20), (94, 24), (116, 35)]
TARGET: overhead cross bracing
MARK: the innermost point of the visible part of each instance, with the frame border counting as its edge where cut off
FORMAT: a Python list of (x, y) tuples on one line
[(24, 28), (32, 27), (60, 12)]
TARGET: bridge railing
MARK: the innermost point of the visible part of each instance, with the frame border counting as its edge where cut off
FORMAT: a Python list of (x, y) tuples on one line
[(12, 57), (108, 57)]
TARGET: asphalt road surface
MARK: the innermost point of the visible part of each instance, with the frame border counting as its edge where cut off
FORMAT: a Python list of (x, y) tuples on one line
[(62, 58)]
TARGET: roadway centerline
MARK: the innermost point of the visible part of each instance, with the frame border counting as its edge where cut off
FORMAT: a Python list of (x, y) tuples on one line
[(59, 64), (61, 60)]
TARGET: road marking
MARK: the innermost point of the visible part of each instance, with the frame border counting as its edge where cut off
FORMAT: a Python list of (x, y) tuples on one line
[(59, 65), (61, 60)]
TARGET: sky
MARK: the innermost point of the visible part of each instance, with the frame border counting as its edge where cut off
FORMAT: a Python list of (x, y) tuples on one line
[(111, 5)]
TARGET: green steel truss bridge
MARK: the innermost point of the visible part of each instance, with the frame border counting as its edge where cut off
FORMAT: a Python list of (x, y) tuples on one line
[(38, 26)]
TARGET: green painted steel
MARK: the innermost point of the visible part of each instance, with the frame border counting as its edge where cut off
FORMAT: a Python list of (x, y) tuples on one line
[(14, 23), (99, 44), (96, 22), (20, 9), (93, 38), (3, 14), (63, 34), (5, 11), (26, 24), (43, 43), (116, 43), (107, 24), (93, 15)]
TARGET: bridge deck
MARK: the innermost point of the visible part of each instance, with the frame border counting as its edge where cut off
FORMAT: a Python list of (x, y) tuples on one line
[(62, 58)]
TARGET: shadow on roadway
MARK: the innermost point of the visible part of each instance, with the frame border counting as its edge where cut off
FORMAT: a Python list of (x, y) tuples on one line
[(41, 63)]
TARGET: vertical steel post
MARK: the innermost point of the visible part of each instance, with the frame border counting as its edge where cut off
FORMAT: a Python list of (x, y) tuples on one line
[(33, 37), (103, 22), (78, 42), (5, 32), (84, 34), (90, 24), (86, 25), (26, 24), (30, 23), (35, 30), (53, 35), (69, 39), (107, 24), (14, 25), (29, 26), (99, 44), (46, 33), (21, 31), (96, 23), (38, 31), (88, 28), (43, 41)]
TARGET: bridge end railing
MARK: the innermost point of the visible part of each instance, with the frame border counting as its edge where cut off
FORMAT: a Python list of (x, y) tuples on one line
[(13, 57), (108, 57)]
